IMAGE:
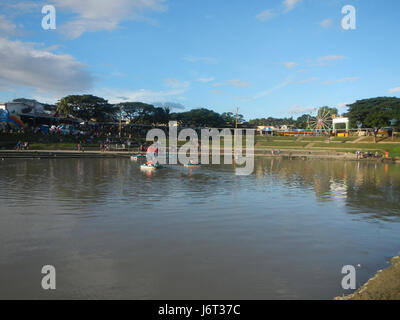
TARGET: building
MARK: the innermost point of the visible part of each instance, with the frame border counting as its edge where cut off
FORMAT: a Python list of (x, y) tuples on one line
[(266, 130), (10, 113), (21, 111)]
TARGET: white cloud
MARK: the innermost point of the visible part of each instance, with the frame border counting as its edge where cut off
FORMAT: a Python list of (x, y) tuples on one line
[(291, 4), (342, 105), (22, 6), (308, 80), (7, 27), (327, 23), (206, 80), (330, 59), (218, 91), (235, 82), (394, 90), (98, 15), (265, 15), (295, 110), (347, 79), (206, 60), (290, 65), (269, 91), (142, 95), (176, 84), (21, 64)]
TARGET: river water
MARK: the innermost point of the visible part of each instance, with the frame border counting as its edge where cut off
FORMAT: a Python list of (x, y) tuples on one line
[(114, 232)]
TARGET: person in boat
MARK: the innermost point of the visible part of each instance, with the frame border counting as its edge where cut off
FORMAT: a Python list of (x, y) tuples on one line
[(152, 149), (193, 162), (151, 163)]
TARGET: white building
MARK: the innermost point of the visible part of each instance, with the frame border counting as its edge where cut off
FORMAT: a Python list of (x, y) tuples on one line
[(23, 107)]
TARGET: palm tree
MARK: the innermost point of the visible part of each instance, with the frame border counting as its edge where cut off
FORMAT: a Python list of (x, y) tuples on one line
[(63, 107)]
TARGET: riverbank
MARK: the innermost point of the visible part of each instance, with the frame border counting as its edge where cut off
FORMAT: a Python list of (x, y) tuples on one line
[(306, 143), (286, 154), (59, 154), (385, 285)]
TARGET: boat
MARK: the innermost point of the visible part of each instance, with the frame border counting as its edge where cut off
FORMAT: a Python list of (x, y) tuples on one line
[(146, 166), (136, 157), (192, 165)]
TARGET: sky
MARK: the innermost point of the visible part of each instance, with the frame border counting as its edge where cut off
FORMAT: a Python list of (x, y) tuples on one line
[(268, 58)]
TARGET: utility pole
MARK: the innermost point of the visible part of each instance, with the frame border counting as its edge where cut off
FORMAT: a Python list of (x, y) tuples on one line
[(237, 117)]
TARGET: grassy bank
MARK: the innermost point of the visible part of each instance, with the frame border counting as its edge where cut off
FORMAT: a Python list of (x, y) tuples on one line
[(334, 144), (337, 144), (384, 286)]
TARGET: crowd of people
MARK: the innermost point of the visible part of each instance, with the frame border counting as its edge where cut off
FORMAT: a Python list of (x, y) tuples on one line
[(107, 135), (22, 145), (365, 155)]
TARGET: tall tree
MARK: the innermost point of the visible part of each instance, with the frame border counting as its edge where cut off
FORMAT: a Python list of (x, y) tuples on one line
[(374, 113), (199, 118), (230, 119), (328, 110), (86, 107), (161, 115), (303, 121), (137, 112)]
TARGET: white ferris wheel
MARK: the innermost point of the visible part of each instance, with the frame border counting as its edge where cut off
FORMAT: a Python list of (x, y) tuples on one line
[(320, 119)]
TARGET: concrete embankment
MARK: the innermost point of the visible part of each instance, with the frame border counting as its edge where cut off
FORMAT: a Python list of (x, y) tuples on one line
[(286, 154), (58, 154), (293, 154)]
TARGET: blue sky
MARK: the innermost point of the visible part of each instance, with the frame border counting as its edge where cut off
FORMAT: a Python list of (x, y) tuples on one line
[(268, 58)]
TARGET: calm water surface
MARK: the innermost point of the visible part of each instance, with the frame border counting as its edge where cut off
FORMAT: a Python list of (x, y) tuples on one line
[(112, 231)]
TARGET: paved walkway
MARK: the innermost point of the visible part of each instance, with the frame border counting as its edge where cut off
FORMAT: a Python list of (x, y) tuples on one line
[(358, 140)]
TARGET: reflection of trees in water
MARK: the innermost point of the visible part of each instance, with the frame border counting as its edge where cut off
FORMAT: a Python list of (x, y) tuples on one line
[(83, 180), (99, 181), (371, 188), (379, 193)]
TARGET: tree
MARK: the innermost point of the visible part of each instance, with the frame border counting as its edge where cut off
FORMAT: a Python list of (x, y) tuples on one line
[(330, 111), (230, 119), (137, 112), (86, 107), (374, 113), (199, 118), (303, 121), (276, 122), (143, 113), (161, 115)]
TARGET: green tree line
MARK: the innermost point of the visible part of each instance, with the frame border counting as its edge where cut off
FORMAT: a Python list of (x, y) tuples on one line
[(368, 113)]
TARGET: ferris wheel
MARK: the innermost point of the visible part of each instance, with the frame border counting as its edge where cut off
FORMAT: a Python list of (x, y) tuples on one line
[(320, 119)]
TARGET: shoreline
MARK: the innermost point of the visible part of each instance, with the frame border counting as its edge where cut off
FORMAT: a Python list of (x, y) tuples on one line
[(384, 285), (286, 154)]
